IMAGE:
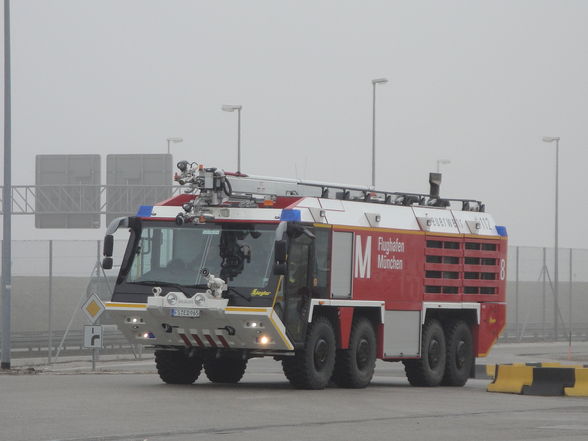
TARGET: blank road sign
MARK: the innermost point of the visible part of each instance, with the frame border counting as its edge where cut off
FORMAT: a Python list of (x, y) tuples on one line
[(67, 191), (134, 180)]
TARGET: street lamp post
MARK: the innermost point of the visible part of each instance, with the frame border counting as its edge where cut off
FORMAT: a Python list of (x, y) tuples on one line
[(556, 263), (442, 161), (232, 108), (174, 140), (6, 202), (374, 82)]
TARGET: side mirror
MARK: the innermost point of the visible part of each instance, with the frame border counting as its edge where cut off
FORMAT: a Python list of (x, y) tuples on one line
[(295, 229), (280, 251), (107, 263), (280, 269), (108, 245)]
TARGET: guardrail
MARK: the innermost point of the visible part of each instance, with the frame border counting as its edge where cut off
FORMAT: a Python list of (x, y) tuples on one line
[(36, 344)]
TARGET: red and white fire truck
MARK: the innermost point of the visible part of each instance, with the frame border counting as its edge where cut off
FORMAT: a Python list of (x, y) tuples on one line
[(325, 278)]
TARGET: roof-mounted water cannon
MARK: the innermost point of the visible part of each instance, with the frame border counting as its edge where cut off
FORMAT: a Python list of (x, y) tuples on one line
[(211, 184)]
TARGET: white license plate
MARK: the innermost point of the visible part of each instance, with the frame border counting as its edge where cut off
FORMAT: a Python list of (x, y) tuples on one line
[(185, 312)]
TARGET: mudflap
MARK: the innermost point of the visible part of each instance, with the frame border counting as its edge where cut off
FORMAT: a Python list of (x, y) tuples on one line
[(492, 322)]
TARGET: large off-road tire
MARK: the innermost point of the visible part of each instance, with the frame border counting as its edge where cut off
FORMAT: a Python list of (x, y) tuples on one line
[(225, 369), (312, 367), (354, 367), (460, 353), (428, 371), (175, 367)]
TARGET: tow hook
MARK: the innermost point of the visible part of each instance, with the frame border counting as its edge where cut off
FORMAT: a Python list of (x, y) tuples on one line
[(230, 330), (167, 327)]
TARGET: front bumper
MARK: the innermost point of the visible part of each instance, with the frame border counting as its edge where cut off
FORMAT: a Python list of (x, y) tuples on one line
[(213, 325)]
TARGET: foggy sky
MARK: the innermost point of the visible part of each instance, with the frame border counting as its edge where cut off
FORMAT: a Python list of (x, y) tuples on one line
[(478, 83)]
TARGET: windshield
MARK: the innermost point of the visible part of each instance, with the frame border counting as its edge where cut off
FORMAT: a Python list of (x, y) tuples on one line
[(240, 254)]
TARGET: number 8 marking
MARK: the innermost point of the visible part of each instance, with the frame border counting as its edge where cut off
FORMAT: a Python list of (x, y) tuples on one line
[(502, 269)]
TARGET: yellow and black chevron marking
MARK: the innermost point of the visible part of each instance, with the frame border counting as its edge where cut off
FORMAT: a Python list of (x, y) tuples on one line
[(547, 379)]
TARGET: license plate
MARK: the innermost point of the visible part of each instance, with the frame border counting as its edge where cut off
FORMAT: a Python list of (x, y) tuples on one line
[(185, 312)]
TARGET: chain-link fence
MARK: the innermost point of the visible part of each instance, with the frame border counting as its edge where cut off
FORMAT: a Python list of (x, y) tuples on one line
[(52, 279), (540, 309), (50, 282)]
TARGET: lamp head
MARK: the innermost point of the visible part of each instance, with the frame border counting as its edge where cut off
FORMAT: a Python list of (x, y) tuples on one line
[(550, 138), (231, 107)]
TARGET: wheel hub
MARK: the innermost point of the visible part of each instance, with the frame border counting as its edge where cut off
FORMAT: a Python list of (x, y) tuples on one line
[(434, 353), (460, 354), (321, 353), (363, 353)]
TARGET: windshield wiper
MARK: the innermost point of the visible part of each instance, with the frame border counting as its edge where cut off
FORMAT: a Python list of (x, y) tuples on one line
[(170, 284), (231, 289), (181, 287)]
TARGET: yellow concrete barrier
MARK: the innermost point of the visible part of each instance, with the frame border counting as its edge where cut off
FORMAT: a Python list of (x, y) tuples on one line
[(491, 370), (511, 378), (559, 365), (549, 364), (580, 388)]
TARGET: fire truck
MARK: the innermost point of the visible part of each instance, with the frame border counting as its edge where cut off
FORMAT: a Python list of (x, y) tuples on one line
[(325, 278)]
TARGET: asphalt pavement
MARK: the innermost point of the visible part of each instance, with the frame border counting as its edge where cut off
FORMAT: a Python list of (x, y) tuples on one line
[(125, 400)]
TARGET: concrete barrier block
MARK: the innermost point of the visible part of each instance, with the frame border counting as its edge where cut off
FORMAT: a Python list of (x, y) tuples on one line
[(546, 364), (559, 365), (511, 378), (580, 388), (491, 370), (550, 381)]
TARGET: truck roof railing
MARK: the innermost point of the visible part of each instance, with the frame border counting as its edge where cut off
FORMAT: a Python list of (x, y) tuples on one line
[(214, 185), (348, 192)]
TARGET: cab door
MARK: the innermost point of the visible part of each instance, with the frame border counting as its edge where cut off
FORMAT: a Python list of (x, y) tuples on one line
[(298, 286)]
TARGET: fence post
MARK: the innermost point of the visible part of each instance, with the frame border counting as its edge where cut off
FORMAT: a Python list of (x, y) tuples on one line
[(570, 305), (517, 295), (96, 351), (50, 342), (543, 292)]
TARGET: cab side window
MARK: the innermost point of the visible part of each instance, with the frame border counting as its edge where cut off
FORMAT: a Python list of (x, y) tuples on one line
[(322, 263)]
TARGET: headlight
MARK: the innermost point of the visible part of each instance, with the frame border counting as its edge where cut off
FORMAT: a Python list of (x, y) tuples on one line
[(171, 298), (199, 299), (263, 340), (134, 320)]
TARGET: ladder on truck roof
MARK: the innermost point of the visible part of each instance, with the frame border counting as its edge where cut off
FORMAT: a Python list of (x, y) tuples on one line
[(251, 186), (214, 186)]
